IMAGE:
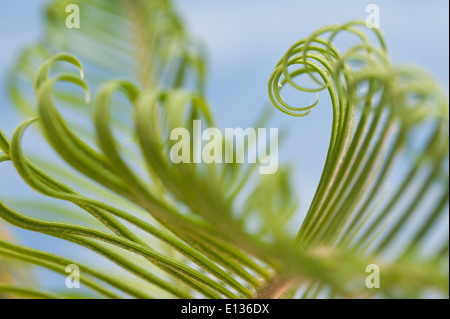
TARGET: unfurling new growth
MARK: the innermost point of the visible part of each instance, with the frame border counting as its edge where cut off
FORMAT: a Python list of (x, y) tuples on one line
[(219, 229)]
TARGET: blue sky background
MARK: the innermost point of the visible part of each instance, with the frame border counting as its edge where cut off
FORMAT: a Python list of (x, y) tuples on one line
[(244, 42)]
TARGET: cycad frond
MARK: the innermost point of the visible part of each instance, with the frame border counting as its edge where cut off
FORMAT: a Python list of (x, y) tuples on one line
[(180, 227)]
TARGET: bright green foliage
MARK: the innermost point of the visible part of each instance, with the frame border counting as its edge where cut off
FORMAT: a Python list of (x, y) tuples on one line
[(177, 230)]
